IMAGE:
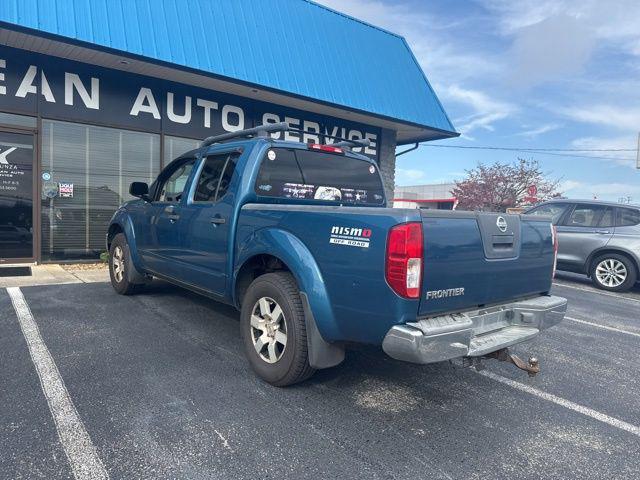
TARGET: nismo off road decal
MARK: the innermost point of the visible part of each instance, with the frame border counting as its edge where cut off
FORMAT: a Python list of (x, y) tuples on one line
[(350, 236)]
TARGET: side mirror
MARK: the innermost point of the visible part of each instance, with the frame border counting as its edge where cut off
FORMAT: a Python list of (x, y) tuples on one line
[(140, 190)]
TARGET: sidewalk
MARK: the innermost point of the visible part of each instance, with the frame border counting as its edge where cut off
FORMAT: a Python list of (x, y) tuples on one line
[(51, 274)]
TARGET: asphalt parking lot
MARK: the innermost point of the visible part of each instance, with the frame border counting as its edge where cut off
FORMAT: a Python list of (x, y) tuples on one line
[(156, 386)]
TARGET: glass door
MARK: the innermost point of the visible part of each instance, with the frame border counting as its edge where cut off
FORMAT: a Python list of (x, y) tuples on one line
[(16, 196)]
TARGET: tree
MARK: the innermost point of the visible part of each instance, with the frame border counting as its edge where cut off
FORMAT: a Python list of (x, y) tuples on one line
[(499, 186)]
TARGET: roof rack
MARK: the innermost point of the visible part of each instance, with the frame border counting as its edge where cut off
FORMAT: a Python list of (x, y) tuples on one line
[(355, 143), (260, 131), (266, 129)]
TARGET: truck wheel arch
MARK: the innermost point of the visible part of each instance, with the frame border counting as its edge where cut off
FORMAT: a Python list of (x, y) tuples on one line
[(251, 269), (134, 272), (318, 314), (114, 229), (121, 223)]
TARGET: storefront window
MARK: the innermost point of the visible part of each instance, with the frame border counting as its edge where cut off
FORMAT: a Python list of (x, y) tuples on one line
[(86, 172), (17, 120), (176, 146)]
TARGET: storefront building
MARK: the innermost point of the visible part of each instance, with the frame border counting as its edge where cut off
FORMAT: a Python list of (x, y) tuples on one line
[(93, 98), (437, 196)]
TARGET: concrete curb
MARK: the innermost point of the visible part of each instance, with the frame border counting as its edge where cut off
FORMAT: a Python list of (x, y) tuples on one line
[(53, 274)]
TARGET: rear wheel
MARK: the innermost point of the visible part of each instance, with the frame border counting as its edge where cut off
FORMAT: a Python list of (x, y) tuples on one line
[(274, 331), (613, 272), (119, 265)]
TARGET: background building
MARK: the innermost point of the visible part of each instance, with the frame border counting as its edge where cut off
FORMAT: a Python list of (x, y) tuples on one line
[(95, 95), (436, 196)]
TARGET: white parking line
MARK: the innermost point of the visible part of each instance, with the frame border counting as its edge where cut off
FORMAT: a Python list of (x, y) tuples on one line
[(601, 417), (599, 292), (72, 433), (605, 327)]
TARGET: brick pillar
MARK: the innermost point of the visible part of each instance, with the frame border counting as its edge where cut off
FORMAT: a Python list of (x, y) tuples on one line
[(387, 163)]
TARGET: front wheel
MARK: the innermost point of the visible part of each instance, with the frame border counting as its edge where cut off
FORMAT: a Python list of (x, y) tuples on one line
[(119, 265), (273, 330), (613, 272)]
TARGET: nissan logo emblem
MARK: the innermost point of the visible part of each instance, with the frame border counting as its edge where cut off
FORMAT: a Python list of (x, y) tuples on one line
[(501, 223)]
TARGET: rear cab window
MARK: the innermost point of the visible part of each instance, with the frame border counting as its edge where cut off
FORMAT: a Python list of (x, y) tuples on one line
[(320, 176)]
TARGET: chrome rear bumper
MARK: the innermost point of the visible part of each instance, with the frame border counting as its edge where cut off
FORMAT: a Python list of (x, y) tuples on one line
[(475, 333)]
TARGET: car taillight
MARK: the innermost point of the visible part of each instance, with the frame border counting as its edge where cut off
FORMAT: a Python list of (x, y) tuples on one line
[(325, 148), (404, 259), (554, 239)]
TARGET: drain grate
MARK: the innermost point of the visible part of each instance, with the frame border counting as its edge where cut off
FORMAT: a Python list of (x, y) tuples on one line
[(15, 271)]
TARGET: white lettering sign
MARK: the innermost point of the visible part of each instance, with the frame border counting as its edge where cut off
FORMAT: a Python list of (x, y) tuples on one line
[(72, 82), (208, 106), (146, 103), (185, 117), (228, 112), (84, 92)]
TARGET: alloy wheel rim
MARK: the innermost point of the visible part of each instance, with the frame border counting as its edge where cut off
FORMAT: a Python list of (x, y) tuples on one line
[(268, 330), (611, 272), (118, 263)]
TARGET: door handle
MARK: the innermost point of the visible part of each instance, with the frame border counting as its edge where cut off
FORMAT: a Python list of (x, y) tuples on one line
[(604, 232), (169, 210), (218, 220)]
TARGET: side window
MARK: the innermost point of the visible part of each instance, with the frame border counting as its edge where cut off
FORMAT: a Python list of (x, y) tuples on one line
[(607, 219), (627, 217), (171, 188), (215, 177), (227, 175), (553, 210), (585, 216)]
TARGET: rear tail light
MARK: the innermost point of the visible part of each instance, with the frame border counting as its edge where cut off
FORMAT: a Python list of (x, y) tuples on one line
[(325, 148), (404, 259), (554, 239)]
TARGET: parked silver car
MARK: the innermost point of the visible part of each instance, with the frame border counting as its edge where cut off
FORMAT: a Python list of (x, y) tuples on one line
[(599, 239)]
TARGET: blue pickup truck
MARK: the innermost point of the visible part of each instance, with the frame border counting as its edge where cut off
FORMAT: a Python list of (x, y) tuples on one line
[(298, 238)]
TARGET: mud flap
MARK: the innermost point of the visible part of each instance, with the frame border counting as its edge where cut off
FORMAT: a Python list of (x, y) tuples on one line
[(322, 354), (133, 275)]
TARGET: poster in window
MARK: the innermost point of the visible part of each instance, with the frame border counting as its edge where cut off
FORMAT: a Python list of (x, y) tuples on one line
[(65, 190)]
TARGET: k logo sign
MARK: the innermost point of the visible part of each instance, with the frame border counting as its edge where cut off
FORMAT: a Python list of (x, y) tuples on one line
[(3, 155)]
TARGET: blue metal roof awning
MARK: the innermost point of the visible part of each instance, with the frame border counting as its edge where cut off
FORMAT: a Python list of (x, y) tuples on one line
[(293, 47)]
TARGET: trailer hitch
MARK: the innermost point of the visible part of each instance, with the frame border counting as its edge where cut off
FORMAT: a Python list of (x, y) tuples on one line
[(531, 366)]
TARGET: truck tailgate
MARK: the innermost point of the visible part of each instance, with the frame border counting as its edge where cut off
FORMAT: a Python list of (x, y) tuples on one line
[(472, 259)]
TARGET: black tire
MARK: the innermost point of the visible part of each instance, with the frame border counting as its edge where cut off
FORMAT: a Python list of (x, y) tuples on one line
[(612, 260), (292, 366), (120, 282)]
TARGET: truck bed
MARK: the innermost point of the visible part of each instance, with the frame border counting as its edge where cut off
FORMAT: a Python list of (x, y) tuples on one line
[(468, 261)]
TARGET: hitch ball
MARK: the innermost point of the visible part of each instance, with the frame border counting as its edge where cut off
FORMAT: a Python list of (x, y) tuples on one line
[(532, 366)]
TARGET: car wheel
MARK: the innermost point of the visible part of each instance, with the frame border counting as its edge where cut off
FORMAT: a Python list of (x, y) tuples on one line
[(273, 330), (119, 265), (613, 272)]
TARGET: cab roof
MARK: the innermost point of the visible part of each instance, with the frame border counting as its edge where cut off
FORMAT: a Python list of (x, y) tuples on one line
[(275, 143)]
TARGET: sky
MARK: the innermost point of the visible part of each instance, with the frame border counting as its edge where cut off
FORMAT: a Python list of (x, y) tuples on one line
[(520, 74)]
